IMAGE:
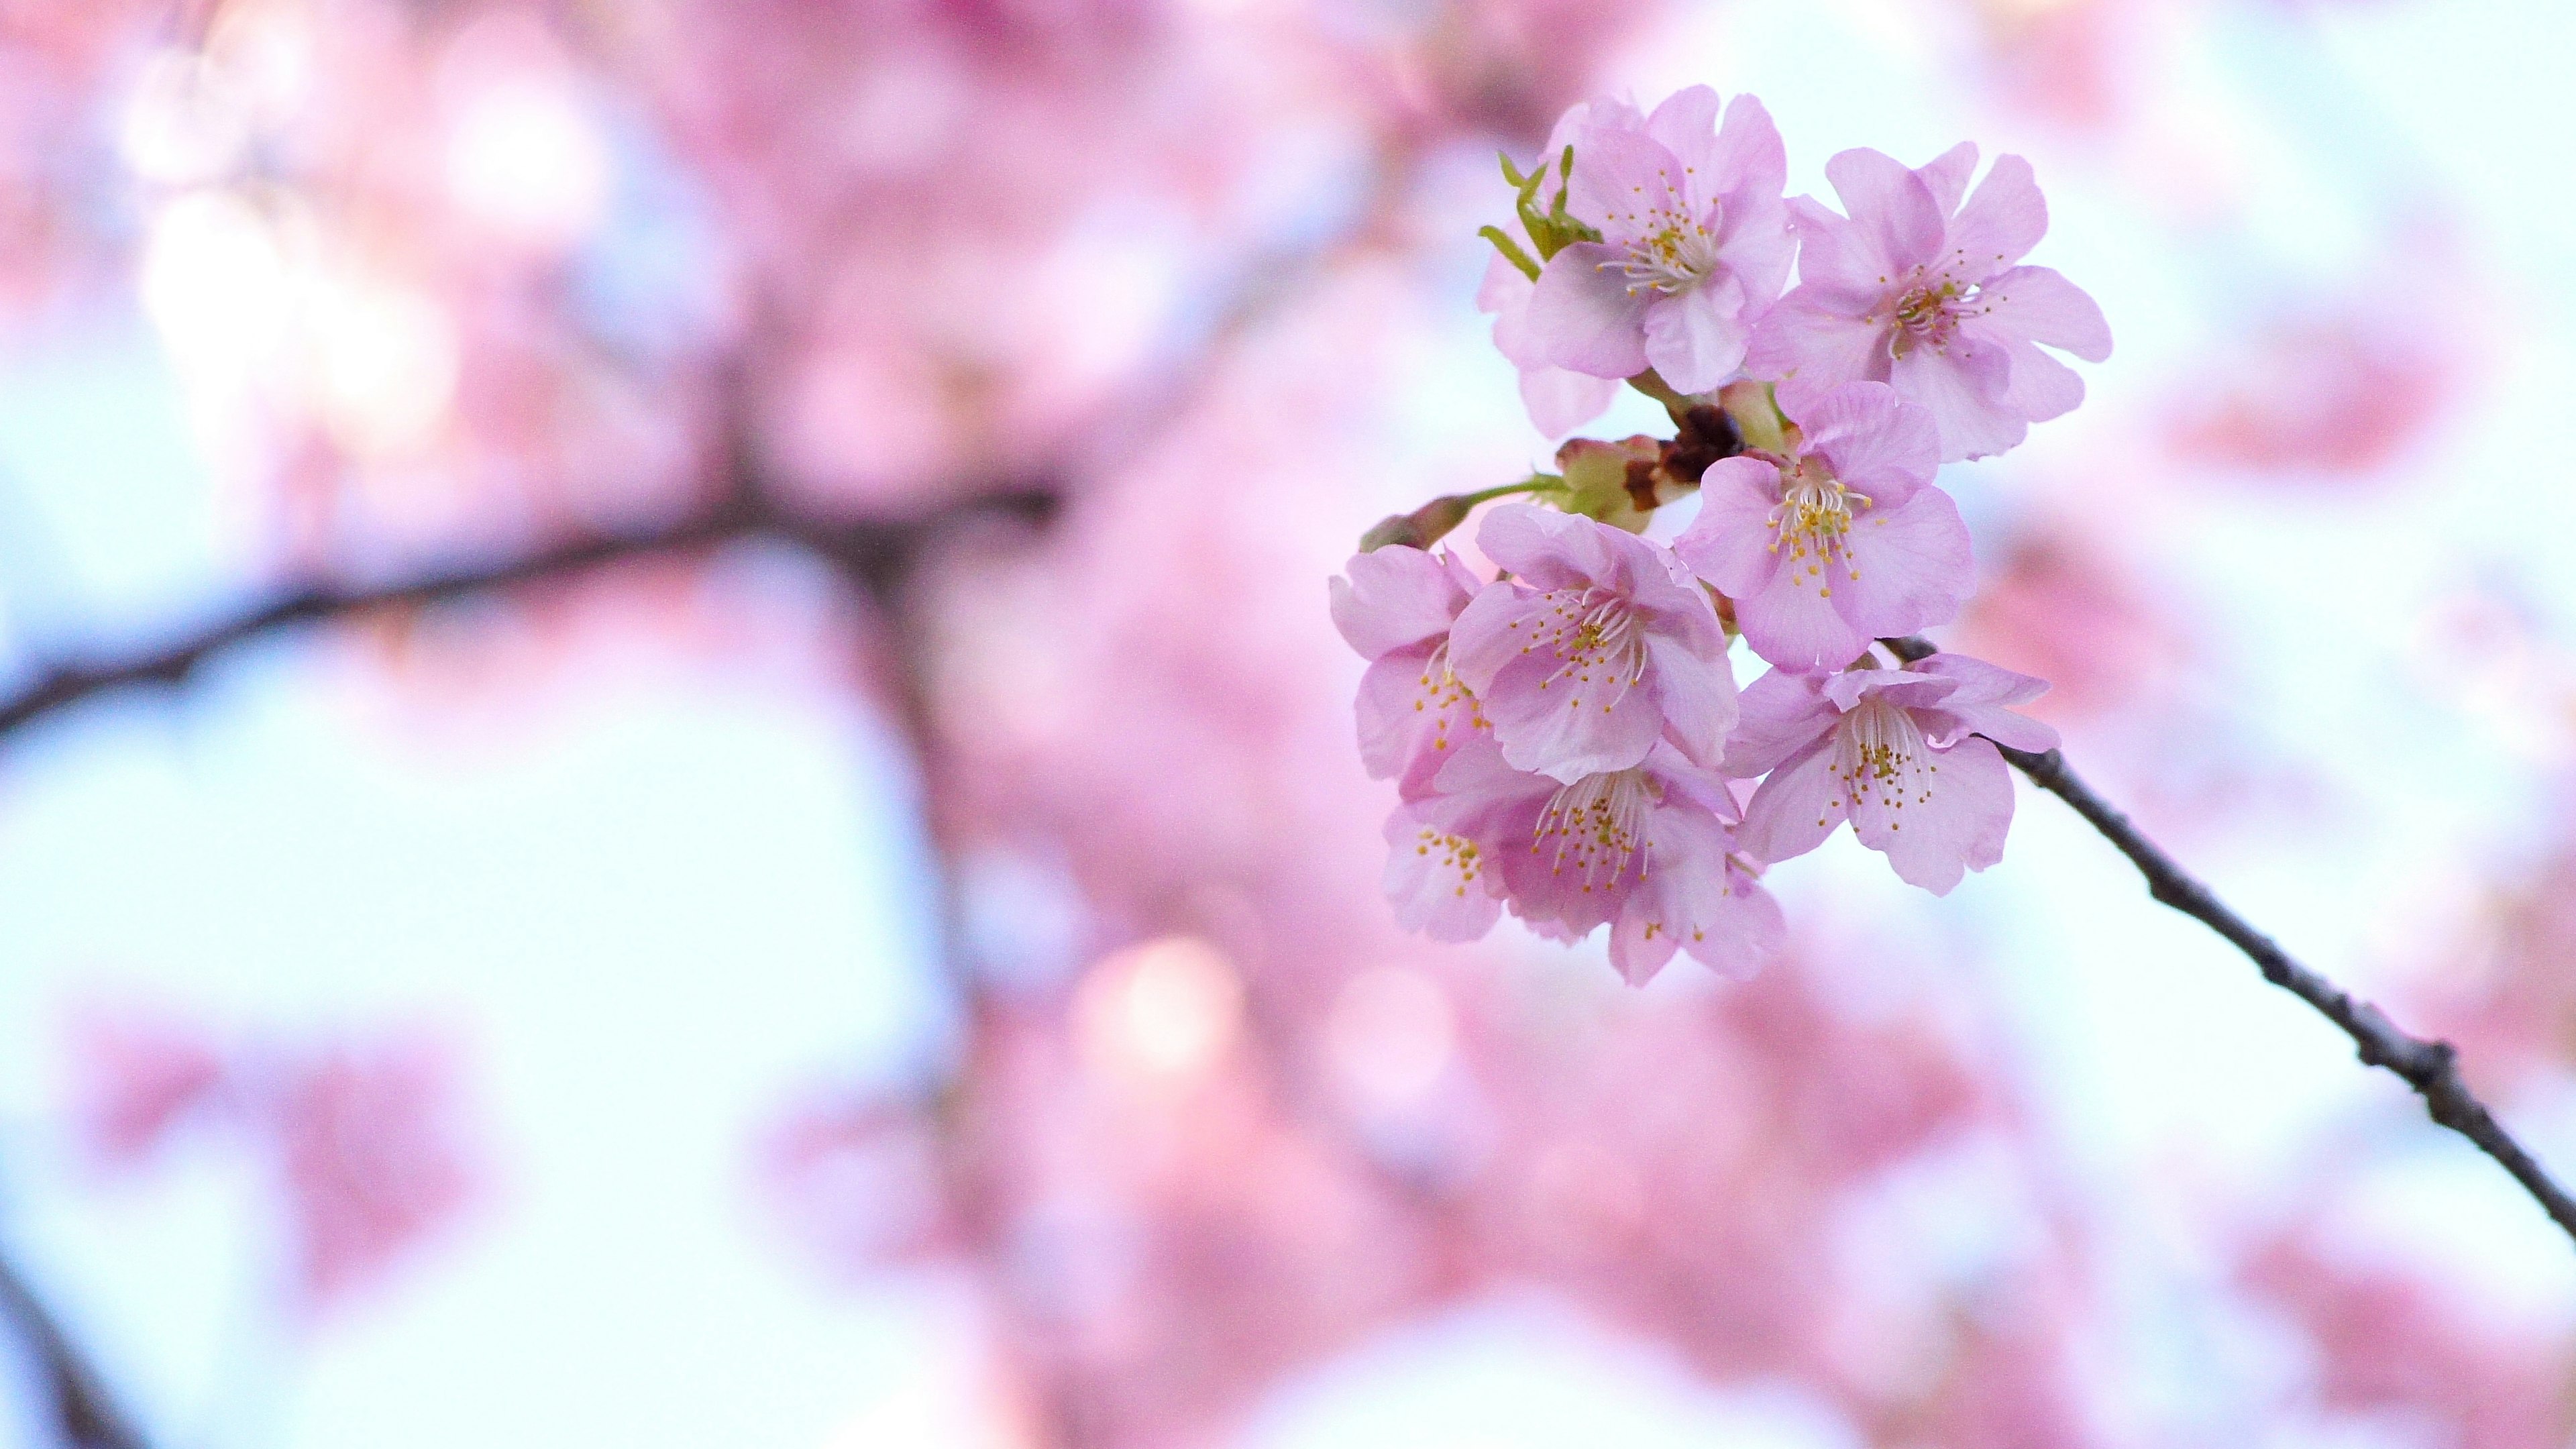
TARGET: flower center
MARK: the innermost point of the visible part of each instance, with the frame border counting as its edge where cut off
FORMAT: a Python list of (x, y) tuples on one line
[(1597, 638), (1671, 259), (1813, 520), (1928, 310), (1880, 750), (1598, 825)]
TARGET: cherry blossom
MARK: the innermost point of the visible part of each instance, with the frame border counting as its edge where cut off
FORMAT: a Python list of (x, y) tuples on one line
[(1601, 644), (1915, 289), (1647, 849), (1693, 242), (1866, 745), (1559, 399), (1396, 607), (1842, 539)]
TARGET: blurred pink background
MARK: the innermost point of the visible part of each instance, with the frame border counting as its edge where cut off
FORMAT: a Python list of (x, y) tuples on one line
[(869, 935)]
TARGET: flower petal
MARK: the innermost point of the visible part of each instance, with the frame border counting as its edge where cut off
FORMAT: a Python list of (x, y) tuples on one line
[(2038, 304), (1798, 805), (1697, 696), (1792, 620), (1954, 823), (1947, 174), (1809, 345), (1570, 724), (1910, 567), (1963, 384), (1394, 598), (1583, 315), (1438, 881), (1729, 543), (1778, 715), (1560, 400), (1999, 225), (1898, 219), (1696, 339), (1875, 441)]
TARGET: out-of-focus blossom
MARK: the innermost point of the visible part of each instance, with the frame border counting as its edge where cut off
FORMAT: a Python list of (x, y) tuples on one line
[(135, 1075), (2322, 397), (1600, 645), (1694, 241), (1647, 849), (2060, 603), (1885, 749), (374, 1157), (1916, 289), (368, 1138), (2387, 1344), (857, 1179), (1396, 606), (1839, 541)]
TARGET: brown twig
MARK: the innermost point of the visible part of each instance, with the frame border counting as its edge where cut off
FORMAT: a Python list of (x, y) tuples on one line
[(2430, 1067), (84, 1411), (865, 548)]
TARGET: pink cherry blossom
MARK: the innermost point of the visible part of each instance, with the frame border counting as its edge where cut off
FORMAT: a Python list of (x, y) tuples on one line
[(1601, 644), (1887, 748), (1648, 849), (1843, 541), (1919, 291), (1694, 242), (1559, 399), (1395, 607)]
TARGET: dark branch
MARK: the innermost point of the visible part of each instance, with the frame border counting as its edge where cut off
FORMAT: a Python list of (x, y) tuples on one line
[(2430, 1067), (87, 1416), (867, 550)]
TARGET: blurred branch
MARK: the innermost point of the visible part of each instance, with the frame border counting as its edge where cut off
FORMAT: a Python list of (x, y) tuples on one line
[(869, 550), (2430, 1067), (83, 1409)]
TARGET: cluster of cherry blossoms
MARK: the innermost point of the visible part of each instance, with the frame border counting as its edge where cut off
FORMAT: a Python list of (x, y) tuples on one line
[(1568, 738)]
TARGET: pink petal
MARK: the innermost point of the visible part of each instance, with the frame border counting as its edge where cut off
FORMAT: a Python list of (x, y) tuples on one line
[(1748, 156), (1696, 340), (1798, 805), (1625, 183), (1492, 631), (1792, 620), (1548, 549), (1582, 315), (1729, 544), (2038, 304), (1876, 442), (1834, 259), (1395, 707), (1437, 881), (1741, 930), (1778, 715), (2042, 387), (1567, 726), (1963, 384), (1999, 225), (1982, 703), (1898, 219), (1560, 400), (1394, 598), (1696, 694), (1911, 567), (1947, 174), (1754, 243), (1686, 125), (1960, 828), (1810, 348)]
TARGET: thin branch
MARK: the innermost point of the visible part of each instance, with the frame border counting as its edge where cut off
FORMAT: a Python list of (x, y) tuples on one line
[(867, 549), (2430, 1067), (84, 1411)]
